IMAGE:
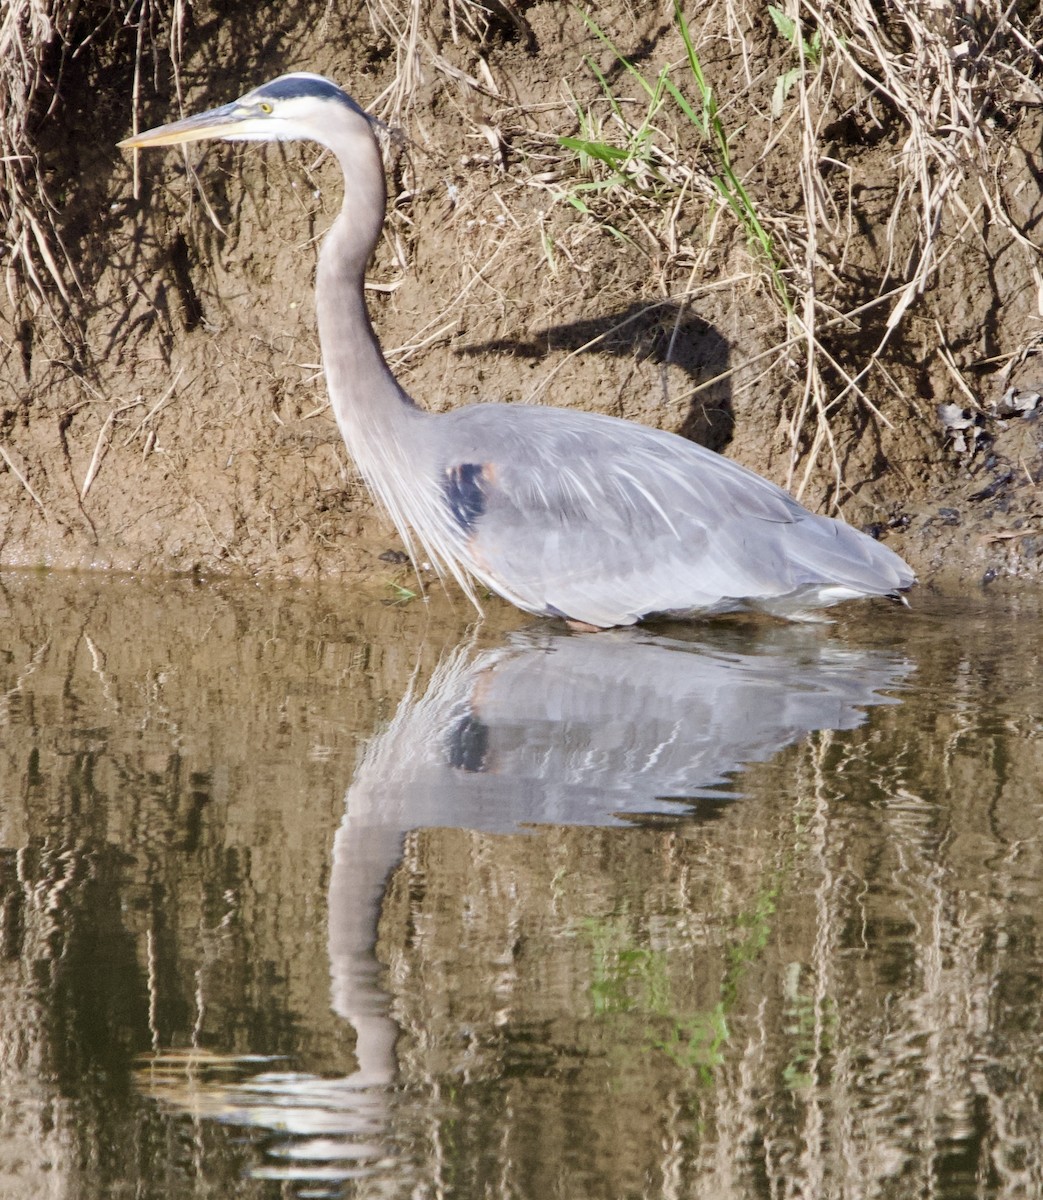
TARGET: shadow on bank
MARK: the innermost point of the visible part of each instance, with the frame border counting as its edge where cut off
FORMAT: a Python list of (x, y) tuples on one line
[(666, 333)]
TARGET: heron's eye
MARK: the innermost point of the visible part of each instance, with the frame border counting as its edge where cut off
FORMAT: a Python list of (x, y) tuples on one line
[(265, 107)]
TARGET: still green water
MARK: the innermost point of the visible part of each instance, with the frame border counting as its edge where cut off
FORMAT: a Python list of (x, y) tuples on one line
[(302, 896)]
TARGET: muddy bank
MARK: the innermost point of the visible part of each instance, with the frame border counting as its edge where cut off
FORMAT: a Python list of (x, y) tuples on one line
[(171, 415)]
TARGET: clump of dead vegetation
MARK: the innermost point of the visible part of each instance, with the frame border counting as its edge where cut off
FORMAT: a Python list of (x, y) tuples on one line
[(39, 40), (35, 260)]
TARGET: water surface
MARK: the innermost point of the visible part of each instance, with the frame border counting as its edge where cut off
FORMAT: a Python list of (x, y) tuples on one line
[(306, 895)]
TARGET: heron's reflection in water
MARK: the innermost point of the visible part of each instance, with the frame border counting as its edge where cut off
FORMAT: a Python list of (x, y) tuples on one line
[(545, 728)]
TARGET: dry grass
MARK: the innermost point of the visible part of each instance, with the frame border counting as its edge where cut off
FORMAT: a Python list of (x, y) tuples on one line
[(944, 85), (37, 39), (406, 24), (952, 81), (37, 263)]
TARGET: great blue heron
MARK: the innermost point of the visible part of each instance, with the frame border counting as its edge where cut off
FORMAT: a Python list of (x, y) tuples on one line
[(566, 514)]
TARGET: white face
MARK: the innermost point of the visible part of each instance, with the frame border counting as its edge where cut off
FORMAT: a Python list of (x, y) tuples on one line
[(260, 119)]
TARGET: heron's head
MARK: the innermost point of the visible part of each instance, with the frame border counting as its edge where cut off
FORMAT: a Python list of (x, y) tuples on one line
[(300, 106)]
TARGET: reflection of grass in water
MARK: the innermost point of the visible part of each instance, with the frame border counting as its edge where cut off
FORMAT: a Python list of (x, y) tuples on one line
[(626, 979), (698, 1043), (805, 1021), (632, 979), (635, 979)]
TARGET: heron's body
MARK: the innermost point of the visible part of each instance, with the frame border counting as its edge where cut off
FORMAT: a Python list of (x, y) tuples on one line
[(567, 514)]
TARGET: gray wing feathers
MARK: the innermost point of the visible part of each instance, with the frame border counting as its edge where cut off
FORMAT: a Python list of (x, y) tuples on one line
[(605, 522)]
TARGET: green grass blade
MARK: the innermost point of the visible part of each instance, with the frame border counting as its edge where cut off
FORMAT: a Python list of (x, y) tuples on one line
[(611, 155)]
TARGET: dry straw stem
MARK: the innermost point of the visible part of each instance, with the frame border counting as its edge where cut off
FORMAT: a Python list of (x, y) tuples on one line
[(20, 476), (404, 23)]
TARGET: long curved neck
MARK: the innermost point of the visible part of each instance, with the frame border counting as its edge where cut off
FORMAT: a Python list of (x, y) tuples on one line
[(384, 431), (364, 394)]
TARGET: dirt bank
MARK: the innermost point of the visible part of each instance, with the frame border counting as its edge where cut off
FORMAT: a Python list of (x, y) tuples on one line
[(169, 414)]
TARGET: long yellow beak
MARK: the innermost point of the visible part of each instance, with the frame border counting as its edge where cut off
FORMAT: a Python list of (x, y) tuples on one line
[(220, 122)]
